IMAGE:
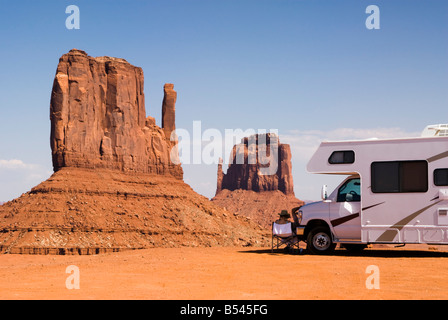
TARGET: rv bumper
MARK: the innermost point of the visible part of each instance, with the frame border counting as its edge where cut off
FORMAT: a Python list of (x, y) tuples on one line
[(300, 231)]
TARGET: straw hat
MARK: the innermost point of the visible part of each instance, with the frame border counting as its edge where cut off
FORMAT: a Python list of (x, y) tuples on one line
[(284, 213)]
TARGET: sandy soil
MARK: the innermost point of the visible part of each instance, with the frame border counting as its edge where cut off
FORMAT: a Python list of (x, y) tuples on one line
[(105, 209), (228, 273)]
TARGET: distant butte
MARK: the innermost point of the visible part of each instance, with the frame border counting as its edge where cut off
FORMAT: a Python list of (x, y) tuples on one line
[(250, 191), (246, 170)]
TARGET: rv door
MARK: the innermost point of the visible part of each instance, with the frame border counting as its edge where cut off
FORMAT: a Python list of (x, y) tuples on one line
[(345, 210)]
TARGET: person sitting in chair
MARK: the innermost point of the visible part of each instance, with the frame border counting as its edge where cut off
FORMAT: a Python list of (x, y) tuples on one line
[(283, 228)]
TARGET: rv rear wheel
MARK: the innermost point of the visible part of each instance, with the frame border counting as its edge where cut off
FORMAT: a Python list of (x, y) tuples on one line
[(319, 241)]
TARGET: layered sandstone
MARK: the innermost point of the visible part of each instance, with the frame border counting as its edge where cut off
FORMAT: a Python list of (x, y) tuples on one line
[(258, 183), (98, 118), (86, 211), (115, 185)]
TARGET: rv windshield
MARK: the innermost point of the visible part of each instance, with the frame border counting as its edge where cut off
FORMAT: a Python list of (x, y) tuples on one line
[(350, 191)]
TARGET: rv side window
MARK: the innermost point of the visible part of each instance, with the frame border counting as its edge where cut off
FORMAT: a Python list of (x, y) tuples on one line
[(399, 176), (441, 177), (339, 157)]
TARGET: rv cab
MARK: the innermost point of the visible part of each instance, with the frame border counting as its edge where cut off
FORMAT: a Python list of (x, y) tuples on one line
[(340, 209)]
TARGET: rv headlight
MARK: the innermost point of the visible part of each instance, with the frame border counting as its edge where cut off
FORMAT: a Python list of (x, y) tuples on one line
[(299, 216)]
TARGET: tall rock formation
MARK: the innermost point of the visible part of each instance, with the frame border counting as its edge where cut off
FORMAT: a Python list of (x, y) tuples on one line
[(169, 109), (258, 183), (98, 118), (220, 177), (259, 163), (114, 187)]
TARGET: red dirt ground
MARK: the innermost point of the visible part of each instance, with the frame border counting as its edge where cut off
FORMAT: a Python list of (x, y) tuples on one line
[(228, 273)]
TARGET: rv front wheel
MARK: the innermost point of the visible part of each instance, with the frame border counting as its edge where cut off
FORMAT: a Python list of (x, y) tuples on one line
[(319, 241)]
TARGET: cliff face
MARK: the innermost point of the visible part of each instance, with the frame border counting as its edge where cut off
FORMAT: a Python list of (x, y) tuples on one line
[(98, 118), (259, 163)]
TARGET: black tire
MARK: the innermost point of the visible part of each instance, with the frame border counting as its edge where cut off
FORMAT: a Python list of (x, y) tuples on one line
[(320, 241), (354, 247)]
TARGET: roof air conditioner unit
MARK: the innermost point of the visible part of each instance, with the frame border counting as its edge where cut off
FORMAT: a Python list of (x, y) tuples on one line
[(436, 130)]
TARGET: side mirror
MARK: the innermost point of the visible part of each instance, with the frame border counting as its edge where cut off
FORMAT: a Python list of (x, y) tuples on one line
[(349, 197), (324, 194)]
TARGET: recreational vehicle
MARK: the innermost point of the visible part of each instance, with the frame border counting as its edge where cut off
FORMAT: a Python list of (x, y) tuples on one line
[(395, 192)]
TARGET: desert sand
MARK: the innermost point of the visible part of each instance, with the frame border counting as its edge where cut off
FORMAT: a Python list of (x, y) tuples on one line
[(235, 273)]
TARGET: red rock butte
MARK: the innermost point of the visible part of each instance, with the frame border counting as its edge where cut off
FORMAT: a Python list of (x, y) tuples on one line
[(115, 186), (258, 183), (245, 169), (98, 118)]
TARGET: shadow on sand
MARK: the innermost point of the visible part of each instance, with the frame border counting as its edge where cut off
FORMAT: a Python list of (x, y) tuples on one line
[(370, 252)]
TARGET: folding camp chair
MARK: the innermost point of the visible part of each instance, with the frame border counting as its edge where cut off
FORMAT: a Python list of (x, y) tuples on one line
[(283, 236)]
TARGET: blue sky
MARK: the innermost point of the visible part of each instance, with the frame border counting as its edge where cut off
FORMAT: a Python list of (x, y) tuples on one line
[(309, 68)]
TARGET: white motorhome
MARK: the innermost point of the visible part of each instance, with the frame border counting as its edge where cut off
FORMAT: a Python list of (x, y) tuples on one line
[(396, 192)]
